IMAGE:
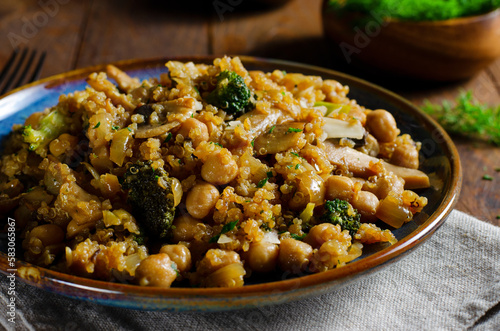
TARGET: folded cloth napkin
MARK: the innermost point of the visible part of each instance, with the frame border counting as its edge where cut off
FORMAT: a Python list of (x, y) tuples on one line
[(450, 282)]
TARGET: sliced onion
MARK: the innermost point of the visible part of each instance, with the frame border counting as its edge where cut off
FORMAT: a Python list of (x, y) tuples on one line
[(336, 128), (271, 237), (223, 239)]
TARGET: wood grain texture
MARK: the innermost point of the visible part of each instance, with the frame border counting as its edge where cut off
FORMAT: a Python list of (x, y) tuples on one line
[(118, 30), (54, 28), (291, 32)]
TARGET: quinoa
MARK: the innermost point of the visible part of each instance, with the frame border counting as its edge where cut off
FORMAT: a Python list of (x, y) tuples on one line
[(265, 175)]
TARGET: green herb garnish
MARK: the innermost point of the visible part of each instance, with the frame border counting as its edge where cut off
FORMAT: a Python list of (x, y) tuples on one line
[(411, 10), (97, 125), (468, 118), (225, 229), (487, 177), (297, 237), (293, 130), (272, 129), (169, 136), (262, 182)]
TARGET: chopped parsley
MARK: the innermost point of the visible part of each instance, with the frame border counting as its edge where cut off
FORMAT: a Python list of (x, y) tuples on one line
[(115, 127), (225, 229), (262, 182), (290, 130), (253, 142), (272, 129), (97, 125), (297, 166), (167, 139), (487, 177), (468, 118), (297, 237)]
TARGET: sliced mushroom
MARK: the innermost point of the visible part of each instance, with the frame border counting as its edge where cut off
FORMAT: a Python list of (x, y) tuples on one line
[(153, 130), (362, 165), (281, 138)]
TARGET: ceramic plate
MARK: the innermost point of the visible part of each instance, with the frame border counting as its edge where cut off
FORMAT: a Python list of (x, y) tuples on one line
[(441, 161)]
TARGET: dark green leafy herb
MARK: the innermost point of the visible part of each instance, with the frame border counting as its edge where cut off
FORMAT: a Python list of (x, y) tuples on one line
[(272, 129), (97, 125), (262, 182), (225, 229), (468, 118), (487, 177), (169, 136), (411, 10), (297, 237), (290, 130)]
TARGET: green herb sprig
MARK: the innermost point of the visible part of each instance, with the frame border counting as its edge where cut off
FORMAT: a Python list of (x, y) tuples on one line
[(225, 229), (467, 118)]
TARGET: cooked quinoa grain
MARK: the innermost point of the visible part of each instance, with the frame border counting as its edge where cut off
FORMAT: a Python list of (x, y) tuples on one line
[(206, 177)]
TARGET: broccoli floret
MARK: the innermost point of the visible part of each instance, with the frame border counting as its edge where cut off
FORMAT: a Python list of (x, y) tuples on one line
[(341, 212), (50, 127), (231, 93), (151, 197)]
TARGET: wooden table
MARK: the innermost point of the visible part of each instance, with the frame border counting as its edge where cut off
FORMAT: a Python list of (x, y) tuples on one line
[(82, 33)]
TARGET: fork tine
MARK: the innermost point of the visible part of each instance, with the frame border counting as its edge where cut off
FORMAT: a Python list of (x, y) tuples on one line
[(8, 65), (25, 71), (14, 71), (38, 68)]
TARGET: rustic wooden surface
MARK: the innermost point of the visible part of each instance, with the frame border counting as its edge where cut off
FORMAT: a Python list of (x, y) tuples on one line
[(81, 33)]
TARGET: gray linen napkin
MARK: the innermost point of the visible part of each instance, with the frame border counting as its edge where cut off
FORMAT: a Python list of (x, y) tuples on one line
[(450, 282)]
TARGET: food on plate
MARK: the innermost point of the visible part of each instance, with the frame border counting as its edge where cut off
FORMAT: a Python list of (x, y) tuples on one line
[(207, 176)]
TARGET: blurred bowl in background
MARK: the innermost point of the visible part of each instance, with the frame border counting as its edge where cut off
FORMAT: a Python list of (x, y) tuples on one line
[(430, 50)]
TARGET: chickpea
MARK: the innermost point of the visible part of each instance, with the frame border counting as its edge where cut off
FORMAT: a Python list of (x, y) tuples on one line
[(321, 233), (384, 185), (156, 270), (184, 228), (216, 259), (381, 124), (201, 199), (195, 130), (371, 146), (219, 168), (366, 203), (49, 234), (180, 254), (262, 256), (405, 155), (294, 255), (339, 187)]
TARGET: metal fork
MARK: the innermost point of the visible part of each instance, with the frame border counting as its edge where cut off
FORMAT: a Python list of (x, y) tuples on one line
[(18, 67)]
